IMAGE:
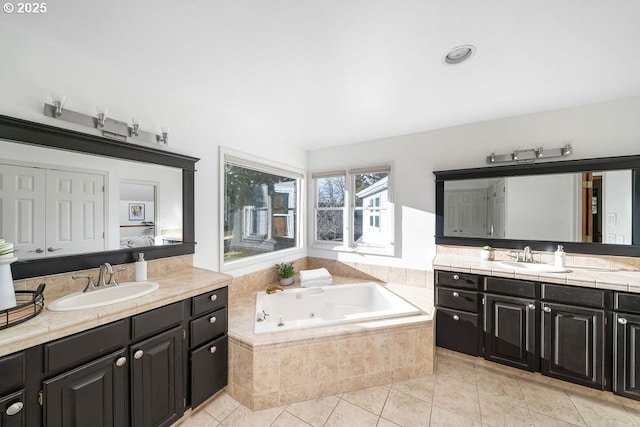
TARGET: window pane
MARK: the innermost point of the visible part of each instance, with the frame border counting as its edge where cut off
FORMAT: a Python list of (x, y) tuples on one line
[(260, 212), (370, 218), (330, 192), (329, 225)]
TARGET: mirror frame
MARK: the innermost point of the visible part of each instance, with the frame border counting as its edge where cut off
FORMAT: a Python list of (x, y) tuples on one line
[(26, 132), (522, 169)]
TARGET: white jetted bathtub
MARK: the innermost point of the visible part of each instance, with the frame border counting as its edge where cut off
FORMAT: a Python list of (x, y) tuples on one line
[(327, 305)]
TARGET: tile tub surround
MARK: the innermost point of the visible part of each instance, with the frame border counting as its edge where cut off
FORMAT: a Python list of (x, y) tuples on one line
[(595, 271), (47, 326), (274, 369)]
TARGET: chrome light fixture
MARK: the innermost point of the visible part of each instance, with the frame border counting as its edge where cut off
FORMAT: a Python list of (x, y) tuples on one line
[(163, 138), (459, 54), (530, 155), (58, 102), (135, 126), (114, 129), (102, 115)]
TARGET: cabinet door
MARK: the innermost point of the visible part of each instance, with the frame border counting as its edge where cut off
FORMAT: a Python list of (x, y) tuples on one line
[(627, 356), (156, 380), (92, 395), (458, 331), (209, 367), (12, 410), (510, 332), (574, 344)]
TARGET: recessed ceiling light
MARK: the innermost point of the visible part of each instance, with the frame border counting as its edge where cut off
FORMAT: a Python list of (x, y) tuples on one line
[(459, 54)]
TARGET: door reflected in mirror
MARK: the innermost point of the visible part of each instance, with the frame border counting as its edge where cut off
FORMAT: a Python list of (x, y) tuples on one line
[(577, 207)]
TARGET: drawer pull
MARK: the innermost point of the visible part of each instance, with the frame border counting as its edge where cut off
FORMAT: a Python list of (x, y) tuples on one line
[(213, 297), (121, 361), (15, 408), (212, 319), (456, 317), (455, 294), (456, 277), (531, 307), (138, 354), (622, 321), (547, 309), (213, 349)]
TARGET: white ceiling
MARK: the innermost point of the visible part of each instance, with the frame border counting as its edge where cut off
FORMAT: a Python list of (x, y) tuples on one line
[(320, 73)]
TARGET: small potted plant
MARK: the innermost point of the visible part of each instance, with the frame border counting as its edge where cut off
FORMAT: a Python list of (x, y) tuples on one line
[(487, 253), (286, 273)]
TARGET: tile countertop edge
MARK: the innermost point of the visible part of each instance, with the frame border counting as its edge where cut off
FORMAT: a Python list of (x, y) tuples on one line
[(49, 325), (616, 280)]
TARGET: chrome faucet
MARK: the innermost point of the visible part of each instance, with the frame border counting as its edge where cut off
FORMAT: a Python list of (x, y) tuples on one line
[(527, 255), (107, 269)]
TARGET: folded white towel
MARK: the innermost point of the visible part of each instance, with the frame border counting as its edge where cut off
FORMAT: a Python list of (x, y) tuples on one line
[(317, 277)]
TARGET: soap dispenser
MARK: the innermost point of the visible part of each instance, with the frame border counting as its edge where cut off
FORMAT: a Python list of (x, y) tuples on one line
[(560, 257), (141, 268)]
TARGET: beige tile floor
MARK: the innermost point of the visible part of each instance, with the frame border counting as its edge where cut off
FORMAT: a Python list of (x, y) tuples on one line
[(462, 392)]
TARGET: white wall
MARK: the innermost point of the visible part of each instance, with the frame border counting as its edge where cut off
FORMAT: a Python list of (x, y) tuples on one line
[(33, 67), (617, 218), (597, 130)]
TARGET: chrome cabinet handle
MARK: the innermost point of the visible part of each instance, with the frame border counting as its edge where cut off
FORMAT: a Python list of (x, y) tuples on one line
[(456, 277), (38, 251), (15, 408), (456, 317), (138, 354), (212, 319), (547, 309), (52, 249), (213, 349), (121, 361), (622, 321), (213, 297), (455, 294), (532, 307)]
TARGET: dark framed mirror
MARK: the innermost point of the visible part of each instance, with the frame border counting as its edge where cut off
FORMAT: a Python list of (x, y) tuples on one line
[(590, 206), (145, 213)]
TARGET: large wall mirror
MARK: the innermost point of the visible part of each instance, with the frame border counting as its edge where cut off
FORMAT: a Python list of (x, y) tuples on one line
[(71, 201), (590, 206)]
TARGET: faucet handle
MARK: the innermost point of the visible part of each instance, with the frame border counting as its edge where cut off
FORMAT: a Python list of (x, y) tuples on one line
[(112, 276), (90, 285)]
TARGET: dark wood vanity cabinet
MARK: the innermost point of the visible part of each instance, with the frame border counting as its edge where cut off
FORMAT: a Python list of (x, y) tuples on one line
[(561, 331), (626, 349), (458, 317), (576, 340), (208, 345), (511, 323), (144, 370)]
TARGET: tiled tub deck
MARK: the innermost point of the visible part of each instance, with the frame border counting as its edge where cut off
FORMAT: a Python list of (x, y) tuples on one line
[(274, 369)]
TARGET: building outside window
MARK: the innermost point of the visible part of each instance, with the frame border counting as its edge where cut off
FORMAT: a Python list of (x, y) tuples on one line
[(260, 208), (352, 209)]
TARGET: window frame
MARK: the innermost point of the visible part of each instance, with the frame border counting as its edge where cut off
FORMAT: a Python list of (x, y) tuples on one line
[(348, 244), (248, 161)]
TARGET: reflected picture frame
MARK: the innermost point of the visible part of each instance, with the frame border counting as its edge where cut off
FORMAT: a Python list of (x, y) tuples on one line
[(136, 211)]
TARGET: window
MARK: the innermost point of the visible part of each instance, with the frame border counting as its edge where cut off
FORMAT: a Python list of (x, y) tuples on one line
[(352, 208), (260, 208)]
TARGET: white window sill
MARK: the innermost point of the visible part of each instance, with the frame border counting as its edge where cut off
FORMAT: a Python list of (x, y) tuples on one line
[(369, 250)]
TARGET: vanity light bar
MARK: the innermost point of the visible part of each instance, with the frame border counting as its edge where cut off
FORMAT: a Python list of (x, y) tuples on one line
[(530, 155), (114, 129)]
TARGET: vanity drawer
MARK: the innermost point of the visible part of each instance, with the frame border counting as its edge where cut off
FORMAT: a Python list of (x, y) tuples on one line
[(573, 295), (458, 331), (629, 303), (12, 371), (84, 346), (517, 288), (208, 327), (458, 299), (458, 280), (156, 320), (209, 301)]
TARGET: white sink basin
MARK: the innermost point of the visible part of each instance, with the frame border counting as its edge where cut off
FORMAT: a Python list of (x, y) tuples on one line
[(101, 297), (539, 268)]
